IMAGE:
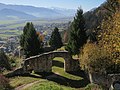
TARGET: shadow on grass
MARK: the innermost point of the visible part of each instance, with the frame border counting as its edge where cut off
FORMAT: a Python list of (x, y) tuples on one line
[(58, 64), (79, 73), (65, 81), (62, 80)]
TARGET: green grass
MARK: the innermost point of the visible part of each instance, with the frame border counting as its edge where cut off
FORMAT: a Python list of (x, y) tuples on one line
[(48, 85), (93, 87), (61, 71), (17, 81)]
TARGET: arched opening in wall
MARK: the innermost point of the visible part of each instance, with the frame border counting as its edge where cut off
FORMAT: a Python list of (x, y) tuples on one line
[(58, 65)]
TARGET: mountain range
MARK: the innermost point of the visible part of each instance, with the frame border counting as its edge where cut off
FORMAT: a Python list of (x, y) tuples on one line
[(30, 12)]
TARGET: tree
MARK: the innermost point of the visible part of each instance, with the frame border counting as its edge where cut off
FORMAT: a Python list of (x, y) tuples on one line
[(105, 55), (109, 35), (30, 41), (55, 40), (112, 6), (4, 61), (95, 59), (109, 38), (77, 34)]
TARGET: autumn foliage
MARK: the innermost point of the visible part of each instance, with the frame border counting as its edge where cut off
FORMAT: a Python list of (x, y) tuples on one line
[(105, 55), (95, 59)]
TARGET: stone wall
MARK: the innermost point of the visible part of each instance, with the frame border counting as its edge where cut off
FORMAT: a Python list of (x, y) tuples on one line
[(104, 80), (112, 80), (43, 62)]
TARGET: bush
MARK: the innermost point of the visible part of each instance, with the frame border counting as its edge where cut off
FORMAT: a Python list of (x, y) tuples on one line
[(93, 87), (4, 83), (12, 61)]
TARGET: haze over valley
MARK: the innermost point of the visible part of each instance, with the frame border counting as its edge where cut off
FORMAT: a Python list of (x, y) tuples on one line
[(14, 17)]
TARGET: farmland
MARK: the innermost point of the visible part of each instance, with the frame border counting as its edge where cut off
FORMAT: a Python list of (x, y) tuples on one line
[(10, 28)]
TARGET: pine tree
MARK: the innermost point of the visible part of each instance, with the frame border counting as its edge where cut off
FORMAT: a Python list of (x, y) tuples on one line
[(77, 34), (30, 41), (55, 40)]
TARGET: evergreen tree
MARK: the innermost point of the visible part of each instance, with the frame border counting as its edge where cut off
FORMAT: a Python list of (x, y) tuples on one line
[(4, 61), (55, 40), (30, 41), (77, 34)]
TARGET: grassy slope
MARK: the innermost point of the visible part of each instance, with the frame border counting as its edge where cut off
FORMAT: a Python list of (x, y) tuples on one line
[(48, 85), (17, 81), (45, 84)]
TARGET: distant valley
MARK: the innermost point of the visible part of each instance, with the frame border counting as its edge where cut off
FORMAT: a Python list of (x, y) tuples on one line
[(14, 17)]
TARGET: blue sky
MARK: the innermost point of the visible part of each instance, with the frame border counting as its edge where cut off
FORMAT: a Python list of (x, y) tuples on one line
[(71, 4)]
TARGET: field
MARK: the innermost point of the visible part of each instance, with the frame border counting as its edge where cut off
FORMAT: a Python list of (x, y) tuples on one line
[(10, 28), (8, 33)]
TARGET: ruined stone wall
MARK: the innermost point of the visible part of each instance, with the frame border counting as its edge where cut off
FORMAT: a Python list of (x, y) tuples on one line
[(104, 80), (112, 79), (43, 62)]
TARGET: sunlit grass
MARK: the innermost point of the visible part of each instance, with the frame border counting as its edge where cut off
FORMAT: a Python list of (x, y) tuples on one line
[(61, 71), (18, 81), (48, 85)]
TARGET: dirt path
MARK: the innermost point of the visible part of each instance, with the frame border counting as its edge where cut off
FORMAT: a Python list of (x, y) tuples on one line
[(22, 87)]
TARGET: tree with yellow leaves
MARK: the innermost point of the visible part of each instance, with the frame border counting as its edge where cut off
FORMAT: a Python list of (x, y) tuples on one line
[(109, 38)]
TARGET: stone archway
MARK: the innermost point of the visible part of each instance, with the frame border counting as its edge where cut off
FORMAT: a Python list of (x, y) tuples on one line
[(43, 62)]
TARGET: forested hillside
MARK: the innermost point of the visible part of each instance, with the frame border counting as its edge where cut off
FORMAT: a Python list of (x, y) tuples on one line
[(94, 18)]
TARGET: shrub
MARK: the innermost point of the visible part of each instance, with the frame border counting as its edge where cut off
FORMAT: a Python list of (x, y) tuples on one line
[(93, 87), (12, 61), (4, 83)]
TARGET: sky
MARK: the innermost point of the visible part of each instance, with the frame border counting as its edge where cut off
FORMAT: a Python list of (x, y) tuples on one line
[(68, 4)]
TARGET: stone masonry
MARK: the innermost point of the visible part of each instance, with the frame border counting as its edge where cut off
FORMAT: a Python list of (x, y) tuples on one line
[(43, 62)]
